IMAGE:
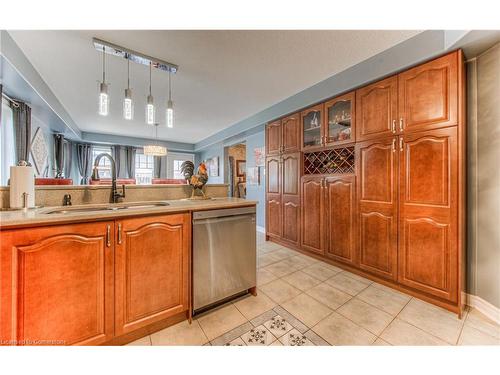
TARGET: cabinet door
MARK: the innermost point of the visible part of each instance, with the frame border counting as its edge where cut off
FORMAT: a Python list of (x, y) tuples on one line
[(57, 285), (273, 138), (428, 244), (340, 218), (312, 127), (273, 176), (340, 120), (152, 270), (428, 95), (290, 129), (291, 197), (377, 109), (377, 205), (273, 215), (312, 214)]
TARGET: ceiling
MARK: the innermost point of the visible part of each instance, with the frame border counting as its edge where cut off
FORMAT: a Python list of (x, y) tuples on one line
[(224, 76)]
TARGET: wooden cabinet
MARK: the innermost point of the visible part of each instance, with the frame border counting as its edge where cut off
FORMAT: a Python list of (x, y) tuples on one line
[(312, 127), (377, 109), (273, 175), (377, 205), (340, 211), (273, 216), (290, 197), (57, 285), (283, 135), (428, 246), (340, 123), (273, 138), (428, 94), (290, 128), (152, 270), (313, 214)]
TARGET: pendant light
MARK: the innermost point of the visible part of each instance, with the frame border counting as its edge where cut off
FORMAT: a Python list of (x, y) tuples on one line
[(170, 104), (150, 108), (128, 105), (103, 88), (155, 149)]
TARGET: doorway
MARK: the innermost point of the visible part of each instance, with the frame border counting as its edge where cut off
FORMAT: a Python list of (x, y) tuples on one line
[(236, 170)]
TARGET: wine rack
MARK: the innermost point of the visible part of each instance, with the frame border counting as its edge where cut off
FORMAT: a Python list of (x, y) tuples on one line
[(334, 161)]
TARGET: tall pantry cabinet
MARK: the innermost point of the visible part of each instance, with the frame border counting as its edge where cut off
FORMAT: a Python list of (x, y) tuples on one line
[(385, 196)]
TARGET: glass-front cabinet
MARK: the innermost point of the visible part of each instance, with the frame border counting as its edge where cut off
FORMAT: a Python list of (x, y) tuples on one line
[(312, 127), (340, 116)]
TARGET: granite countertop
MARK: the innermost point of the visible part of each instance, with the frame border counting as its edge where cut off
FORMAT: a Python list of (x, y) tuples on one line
[(39, 216)]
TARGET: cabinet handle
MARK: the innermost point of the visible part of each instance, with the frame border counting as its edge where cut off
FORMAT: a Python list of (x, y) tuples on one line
[(401, 144), (393, 144), (394, 126), (119, 234), (108, 236), (401, 127)]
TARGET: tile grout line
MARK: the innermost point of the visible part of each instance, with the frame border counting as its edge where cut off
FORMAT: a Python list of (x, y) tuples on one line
[(462, 328), (380, 335)]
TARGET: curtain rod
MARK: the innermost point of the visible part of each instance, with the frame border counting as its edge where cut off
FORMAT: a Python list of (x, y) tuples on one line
[(16, 103)]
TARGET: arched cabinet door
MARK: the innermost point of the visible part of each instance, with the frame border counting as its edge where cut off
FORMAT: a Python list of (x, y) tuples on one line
[(428, 95), (428, 248), (273, 138), (340, 218), (313, 214), (152, 270), (291, 197), (290, 126), (377, 197), (57, 285)]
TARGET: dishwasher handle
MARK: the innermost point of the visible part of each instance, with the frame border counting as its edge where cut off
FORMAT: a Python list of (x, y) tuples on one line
[(199, 215), (215, 220)]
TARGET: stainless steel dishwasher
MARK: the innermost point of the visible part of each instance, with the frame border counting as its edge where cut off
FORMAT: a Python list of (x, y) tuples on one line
[(224, 255)]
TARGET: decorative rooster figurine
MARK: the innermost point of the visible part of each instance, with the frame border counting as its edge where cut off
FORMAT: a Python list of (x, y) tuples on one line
[(198, 180)]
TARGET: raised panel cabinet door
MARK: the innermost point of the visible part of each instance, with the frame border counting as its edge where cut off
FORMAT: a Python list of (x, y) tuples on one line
[(377, 206), (340, 123), (273, 138), (57, 285), (428, 94), (290, 129), (152, 270), (428, 239), (377, 109), (340, 218), (273, 215), (273, 175), (290, 165), (312, 214), (291, 220)]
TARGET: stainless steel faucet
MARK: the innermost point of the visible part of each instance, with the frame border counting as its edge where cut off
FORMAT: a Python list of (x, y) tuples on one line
[(115, 196)]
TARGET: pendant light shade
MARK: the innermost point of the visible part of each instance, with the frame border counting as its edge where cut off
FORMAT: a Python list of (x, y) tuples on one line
[(170, 104), (150, 107), (155, 149), (103, 89), (128, 104)]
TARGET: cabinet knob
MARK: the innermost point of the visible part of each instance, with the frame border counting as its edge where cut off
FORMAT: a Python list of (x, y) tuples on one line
[(108, 236), (401, 125), (394, 145), (394, 126), (401, 144), (119, 234)]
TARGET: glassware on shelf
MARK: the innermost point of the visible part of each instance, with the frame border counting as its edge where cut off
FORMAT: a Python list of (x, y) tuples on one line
[(339, 121), (312, 128)]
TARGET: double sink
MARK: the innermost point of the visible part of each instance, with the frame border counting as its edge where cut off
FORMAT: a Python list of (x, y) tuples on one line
[(109, 207)]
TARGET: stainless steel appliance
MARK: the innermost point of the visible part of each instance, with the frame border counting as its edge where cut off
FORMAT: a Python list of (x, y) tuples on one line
[(224, 255)]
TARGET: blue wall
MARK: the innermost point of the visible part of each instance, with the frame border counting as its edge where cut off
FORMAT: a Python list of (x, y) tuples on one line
[(257, 192)]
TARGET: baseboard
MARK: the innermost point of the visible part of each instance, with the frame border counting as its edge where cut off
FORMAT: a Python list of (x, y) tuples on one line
[(261, 229), (484, 307)]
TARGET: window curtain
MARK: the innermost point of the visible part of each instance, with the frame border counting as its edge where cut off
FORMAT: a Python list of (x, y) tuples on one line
[(230, 176), (130, 157), (59, 154), (68, 158), (160, 167), (116, 153), (22, 130), (84, 160)]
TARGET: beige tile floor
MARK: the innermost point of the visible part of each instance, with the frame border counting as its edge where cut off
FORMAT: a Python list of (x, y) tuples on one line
[(303, 301)]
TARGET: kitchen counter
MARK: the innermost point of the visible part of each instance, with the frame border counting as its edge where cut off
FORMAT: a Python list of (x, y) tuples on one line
[(37, 217)]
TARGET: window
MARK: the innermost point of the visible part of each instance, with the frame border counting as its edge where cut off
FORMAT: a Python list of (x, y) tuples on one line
[(104, 167), (7, 151), (144, 167), (174, 162)]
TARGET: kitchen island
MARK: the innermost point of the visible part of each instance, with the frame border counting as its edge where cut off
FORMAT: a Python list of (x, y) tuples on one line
[(97, 274)]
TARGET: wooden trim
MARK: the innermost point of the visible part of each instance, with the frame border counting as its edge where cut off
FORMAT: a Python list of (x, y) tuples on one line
[(484, 307)]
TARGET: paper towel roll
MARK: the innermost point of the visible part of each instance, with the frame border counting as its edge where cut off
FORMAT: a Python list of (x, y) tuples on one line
[(22, 180)]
